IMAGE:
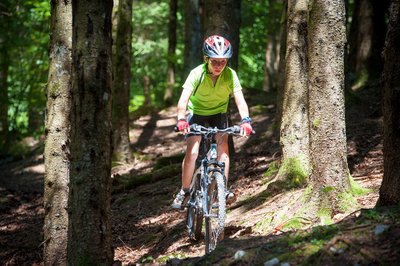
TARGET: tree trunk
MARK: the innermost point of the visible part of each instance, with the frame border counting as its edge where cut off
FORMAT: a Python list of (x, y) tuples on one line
[(326, 38), (5, 21), (389, 193), (294, 124), (122, 80), (89, 234), (281, 67), (57, 129), (272, 53), (222, 17), (169, 92), (193, 37), (4, 65), (35, 115), (366, 40), (146, 92)]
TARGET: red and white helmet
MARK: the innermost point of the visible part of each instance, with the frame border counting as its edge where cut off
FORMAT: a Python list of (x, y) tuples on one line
[(216, 46)]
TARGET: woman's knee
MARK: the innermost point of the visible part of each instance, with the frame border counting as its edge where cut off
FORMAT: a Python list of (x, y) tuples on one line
[(191, 155)]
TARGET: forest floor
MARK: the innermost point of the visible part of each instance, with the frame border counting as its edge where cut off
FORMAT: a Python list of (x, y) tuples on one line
[(147, 231)]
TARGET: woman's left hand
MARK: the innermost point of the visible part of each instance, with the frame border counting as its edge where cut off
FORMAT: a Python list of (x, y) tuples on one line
[(246, 129)]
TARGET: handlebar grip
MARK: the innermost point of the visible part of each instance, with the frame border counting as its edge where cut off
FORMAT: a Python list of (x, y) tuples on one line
[(192, 127)]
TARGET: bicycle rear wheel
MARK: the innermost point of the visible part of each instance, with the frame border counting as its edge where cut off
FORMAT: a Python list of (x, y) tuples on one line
[(194, 216), (216, 206)]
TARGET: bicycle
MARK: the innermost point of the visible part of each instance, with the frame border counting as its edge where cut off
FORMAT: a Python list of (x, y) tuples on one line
[(207, 198)]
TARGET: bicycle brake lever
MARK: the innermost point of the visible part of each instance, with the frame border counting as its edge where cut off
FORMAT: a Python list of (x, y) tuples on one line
[(236, 129)]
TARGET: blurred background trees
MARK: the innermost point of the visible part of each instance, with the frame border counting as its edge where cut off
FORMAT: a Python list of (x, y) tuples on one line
[(24, 46), (24, 41)]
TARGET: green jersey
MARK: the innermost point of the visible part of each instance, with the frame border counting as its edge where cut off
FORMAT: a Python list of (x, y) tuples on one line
[(206, 98)]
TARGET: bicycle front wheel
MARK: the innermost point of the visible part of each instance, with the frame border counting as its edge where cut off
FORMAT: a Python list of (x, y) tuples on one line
[(194, 216), (216, 212)]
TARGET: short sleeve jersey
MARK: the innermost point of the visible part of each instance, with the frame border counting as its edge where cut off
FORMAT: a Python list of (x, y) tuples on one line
[(208, 99)]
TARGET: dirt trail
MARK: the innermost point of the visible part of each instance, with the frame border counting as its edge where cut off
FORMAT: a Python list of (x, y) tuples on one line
[(145, 228)]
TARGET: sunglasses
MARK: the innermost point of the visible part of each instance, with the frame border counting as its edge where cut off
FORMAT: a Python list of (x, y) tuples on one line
[(218, 62)]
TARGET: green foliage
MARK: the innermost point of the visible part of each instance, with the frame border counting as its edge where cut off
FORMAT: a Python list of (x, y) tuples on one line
[(356, 189), (149, 49), (346, 201), (293, 223), (264, 225), (316, 123), (165, 259), (272, 169), (147, 259), (136, 102), (27, 27), (372, 214), (260, 19), (328, 189), (300, 244), (294, 170)]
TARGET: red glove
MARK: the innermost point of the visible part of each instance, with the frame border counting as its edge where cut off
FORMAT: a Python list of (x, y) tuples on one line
[(182, 124), (246, 129)]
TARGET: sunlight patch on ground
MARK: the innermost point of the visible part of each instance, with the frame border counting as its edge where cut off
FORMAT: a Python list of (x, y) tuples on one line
[(164, 218), (36, 169), (166, 122)]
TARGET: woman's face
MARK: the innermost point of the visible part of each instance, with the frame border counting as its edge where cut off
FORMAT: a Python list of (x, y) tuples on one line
[(216, 65)]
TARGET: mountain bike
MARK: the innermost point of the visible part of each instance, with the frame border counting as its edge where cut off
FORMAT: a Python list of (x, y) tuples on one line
[(207, 198)]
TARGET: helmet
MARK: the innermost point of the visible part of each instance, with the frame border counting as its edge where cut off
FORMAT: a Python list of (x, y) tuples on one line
[(216, 46)]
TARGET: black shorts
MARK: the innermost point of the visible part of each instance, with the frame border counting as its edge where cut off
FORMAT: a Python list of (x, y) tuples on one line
[(219, 120)]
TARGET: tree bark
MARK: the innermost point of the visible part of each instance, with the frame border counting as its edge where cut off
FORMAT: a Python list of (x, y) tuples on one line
[(122, 79), (326, 39), (281, 68), (4, 67), (294, 124), (57, 130), (222, 17), (146, 92), (169, 92), (272, 52), (193, 36), (89, 234), (389, 193)]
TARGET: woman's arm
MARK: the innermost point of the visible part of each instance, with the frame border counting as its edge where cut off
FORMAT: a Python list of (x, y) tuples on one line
[(241, 104), (183, 102)]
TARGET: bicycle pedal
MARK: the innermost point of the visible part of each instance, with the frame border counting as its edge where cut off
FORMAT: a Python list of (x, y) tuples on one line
[(185, 202)]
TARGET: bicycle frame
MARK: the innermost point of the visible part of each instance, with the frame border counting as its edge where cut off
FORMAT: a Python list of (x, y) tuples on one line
[(209, 165), (208, 189)]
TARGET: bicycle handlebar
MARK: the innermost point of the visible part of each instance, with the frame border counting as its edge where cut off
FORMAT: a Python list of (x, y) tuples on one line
[(202, 130), (199, 129)]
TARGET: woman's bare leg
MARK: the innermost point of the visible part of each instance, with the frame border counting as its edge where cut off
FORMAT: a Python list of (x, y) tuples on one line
[(188, 164)]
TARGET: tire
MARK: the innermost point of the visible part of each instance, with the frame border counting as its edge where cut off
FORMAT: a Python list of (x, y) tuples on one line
[(194, 216), (216, 206)]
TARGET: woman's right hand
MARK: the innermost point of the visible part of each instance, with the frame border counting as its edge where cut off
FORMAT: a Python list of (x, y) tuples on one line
[(183, 125)]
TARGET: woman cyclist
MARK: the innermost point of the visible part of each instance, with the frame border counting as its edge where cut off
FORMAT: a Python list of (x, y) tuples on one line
[(205, 95)]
